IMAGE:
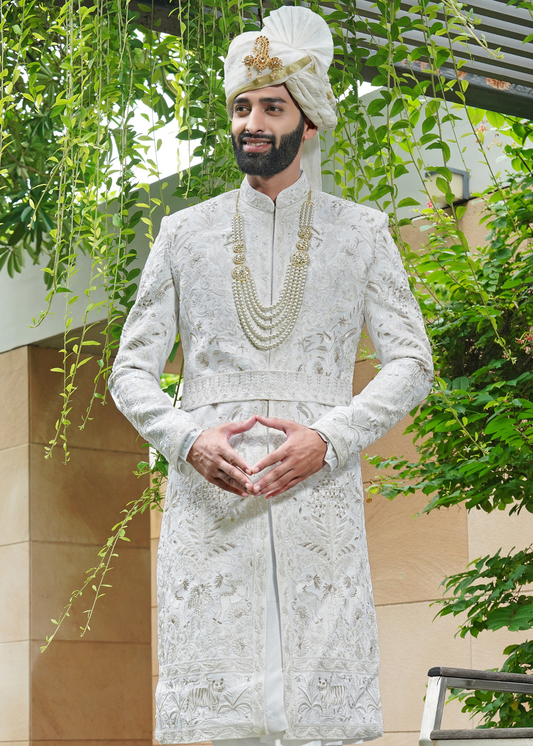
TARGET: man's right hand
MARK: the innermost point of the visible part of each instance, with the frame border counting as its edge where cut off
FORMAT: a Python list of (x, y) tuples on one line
[(214, 458)]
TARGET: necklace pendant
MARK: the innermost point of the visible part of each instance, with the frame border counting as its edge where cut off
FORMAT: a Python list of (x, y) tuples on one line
[(268, 327), (300, 259), (240, 273)]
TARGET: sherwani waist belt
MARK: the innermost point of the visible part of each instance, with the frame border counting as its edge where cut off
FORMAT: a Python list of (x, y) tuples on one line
[(275, 385)]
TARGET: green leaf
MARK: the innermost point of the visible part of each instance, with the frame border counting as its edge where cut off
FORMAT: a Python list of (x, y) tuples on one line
[(496, 119), (408, 202), (428, 124), (376, 106), (397, 108)]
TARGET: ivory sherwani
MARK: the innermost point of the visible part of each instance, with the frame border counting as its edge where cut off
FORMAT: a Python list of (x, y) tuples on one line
[(214, 555)]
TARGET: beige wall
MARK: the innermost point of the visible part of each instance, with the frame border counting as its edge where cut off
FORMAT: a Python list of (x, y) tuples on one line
[(54, 519), (409, 558)]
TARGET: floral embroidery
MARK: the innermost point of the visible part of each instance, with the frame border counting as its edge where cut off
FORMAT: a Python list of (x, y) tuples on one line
[(212, 560)]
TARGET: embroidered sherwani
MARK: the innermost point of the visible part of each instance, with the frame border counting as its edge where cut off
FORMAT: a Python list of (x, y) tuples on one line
[(265, 614)]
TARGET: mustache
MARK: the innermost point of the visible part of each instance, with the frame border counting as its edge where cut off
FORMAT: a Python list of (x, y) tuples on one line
[(248, 136)]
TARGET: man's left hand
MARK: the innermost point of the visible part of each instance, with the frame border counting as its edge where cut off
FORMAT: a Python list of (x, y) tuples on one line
[(301, 455)]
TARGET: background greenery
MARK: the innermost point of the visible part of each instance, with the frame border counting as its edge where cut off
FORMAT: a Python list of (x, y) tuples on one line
[(71, 75)]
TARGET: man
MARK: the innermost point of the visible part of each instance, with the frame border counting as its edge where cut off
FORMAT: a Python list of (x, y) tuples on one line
[(266, 623)]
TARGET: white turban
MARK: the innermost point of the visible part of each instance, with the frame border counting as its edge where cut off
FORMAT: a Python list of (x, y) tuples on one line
[(296, 47)]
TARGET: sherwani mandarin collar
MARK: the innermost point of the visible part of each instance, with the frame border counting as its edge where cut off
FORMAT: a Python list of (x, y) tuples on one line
[(291, 197)]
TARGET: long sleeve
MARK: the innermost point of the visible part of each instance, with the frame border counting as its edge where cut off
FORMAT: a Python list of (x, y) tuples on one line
[(147, 339), (395, 324)]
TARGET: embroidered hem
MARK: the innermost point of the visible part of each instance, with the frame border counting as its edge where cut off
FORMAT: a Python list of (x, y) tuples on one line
[(363, 732)]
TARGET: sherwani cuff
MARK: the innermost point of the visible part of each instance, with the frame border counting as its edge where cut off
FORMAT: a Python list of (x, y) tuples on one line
[(331, 457), (335, 439), (188, 442)]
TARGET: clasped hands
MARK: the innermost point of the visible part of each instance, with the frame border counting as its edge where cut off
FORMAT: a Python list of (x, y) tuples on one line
[(301, 455)]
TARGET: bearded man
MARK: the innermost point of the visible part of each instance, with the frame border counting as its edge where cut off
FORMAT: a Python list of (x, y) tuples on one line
[(267, 628)]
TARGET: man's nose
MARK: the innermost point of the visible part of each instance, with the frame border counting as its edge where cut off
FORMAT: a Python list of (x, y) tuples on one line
[(256, 122)]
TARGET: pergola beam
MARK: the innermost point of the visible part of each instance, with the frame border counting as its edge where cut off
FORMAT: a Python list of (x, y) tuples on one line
[(501, 85)]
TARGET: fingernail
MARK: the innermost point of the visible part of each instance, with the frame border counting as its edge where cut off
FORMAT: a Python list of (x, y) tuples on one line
[(257, 490)]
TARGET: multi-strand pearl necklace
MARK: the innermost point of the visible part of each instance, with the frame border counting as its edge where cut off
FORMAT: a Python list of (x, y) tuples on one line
[(269, 326)]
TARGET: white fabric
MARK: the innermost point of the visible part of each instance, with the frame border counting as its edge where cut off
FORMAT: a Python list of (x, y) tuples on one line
[(293, 34), (275, 717), (311, 161), (276, 720), (213, 553), (310, 86)]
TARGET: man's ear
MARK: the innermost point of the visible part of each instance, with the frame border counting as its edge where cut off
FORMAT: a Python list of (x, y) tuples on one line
[(310, 129)]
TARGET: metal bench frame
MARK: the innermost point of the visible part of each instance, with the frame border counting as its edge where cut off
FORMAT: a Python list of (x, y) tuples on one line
[(442, 678)]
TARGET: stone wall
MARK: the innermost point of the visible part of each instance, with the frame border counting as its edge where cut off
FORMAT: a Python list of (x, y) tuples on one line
[(53, 520)]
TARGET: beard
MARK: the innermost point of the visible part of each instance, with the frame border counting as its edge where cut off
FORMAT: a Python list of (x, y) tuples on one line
[(273, 161)]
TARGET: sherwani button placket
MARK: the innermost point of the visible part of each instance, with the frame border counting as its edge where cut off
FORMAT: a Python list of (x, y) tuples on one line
[(276, 720)]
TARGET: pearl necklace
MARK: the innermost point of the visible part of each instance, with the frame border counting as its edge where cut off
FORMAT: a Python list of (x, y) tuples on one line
[(269, 326)]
